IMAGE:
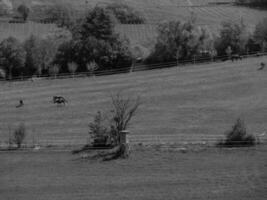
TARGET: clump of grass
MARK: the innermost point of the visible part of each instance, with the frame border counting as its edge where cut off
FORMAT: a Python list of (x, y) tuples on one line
[(238, 136)]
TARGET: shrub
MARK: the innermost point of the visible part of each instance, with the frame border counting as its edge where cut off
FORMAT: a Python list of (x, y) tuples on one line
[(19, 135), (98, 130), (125, 14), (238, 136)]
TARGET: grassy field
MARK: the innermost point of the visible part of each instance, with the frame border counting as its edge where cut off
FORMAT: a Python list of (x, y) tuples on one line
[(212, 174), (208, 15), (193, 103)]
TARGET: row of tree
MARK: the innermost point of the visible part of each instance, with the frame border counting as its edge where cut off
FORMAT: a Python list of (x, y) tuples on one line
[(258, 3), (187, 41), (94, 45)]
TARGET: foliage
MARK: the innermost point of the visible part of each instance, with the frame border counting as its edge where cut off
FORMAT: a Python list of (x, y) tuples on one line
[(238, 136), (125, 14), (24, 11), (61, 14), (19, 135), (91, 67), (177, 40), (72, 67), (12, 56), (256, 3), (98, 130), (40, 54), (53, 70), (123, 109), (260, 34), (108, 128), (94, 39), (98, 24), (233, 35)]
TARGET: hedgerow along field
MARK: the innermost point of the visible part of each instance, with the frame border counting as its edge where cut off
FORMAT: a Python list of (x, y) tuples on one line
[(208, 14), (191, 103)]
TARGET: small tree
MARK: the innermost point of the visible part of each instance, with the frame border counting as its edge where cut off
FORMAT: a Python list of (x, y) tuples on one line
[(260, 34), (19, 135), (228, 52), (72, 67), (54, 70), (12, 56), (123, 111), (24, 11), (91, 67), (98, 130), (238, 136)]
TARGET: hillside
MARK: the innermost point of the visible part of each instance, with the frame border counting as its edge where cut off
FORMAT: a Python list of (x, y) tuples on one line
[(209, 14), (193, 103)]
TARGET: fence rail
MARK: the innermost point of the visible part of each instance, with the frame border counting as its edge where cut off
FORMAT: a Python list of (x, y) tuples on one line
[(123, 69)]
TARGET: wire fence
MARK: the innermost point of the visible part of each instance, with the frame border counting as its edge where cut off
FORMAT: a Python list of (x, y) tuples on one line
[(133, 68)]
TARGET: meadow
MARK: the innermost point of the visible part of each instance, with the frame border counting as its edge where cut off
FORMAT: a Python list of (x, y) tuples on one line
[(191, 103), (210, 174), (208, 14)]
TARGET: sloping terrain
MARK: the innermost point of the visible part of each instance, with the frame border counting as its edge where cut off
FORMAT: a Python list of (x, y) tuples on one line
[(210, 13), (191, 103)]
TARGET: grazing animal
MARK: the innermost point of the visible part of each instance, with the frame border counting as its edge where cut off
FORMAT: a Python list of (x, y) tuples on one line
[(20, 104), (262, 65), (59, 100), (236, 57)]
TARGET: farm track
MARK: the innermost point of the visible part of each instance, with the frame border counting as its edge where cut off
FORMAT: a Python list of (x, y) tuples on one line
[(178, 104)]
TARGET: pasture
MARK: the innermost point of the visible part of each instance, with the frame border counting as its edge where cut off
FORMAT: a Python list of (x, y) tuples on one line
[(208, 14), (211, 174), (191, 103)]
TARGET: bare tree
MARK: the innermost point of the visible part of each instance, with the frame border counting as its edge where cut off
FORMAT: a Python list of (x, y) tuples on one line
[(124, 108)]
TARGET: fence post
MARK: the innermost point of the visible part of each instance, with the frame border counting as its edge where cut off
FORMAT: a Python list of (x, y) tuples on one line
[(124, 142)]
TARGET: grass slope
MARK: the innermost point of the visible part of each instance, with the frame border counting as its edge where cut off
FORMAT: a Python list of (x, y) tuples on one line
[(210, 16), (207, 175), (191, 103)]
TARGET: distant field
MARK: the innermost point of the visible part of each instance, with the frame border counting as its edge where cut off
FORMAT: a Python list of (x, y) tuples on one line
[(208, 14), (193, 103), (223, 174)]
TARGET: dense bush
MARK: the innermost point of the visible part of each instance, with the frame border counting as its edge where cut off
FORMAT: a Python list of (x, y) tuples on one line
[(238, 136), (125, 14)]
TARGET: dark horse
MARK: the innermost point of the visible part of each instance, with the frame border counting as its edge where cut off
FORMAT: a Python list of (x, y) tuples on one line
[(59, 100)]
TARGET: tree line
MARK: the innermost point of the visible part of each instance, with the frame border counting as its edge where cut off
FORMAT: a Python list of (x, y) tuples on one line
[(93, 45)]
